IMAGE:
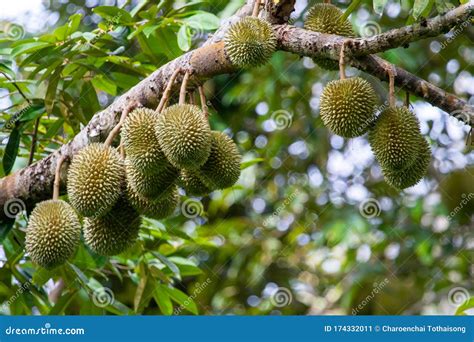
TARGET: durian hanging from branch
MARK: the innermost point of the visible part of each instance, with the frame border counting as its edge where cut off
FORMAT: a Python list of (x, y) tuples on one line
[(348, 105), (54, 230)]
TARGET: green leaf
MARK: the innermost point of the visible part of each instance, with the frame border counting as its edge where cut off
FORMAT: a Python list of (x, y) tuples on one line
[(354, 4), (11, 150), (203, 21), (5, 69), (42, 275), (144, 291), (32, 112), (186, 266), (251, 162), (163, 300), (138, 7), (88, 100), (379, 6), (101, 82), (63, 302), (182, 299), (420, 6), (113, 14), (173, 268), (5, 227), (184, 38), (50, 98), (28, 48)]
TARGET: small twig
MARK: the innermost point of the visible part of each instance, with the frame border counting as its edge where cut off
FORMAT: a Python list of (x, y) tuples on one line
[(34, 139), (342, 65), (182, 93), (202, 96), (167, 91), (122, 149), (16, 86), (117, 128), (57, 177), (256, 8)]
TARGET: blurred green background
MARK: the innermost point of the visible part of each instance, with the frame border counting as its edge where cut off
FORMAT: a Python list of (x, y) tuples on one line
[(311, 227)]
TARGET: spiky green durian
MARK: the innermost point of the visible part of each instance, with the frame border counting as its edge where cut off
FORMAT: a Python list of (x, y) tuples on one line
[(184, 135), (395, 137), (95, 179), (116, 231), (192, 183), (222, 169), (152, 186), (325, 18), (141, 142), (53, 233), (407, 177), (156, 209), (250, 42), (348, 106)]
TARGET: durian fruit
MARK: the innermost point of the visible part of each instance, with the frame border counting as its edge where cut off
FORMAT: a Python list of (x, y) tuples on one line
[(152, 186), (222, 169), (325, 18), (141, 142), (348, 106), (53, 233), (95, 179), (411, 175), (113, 233), (457, 194), (192, 183), (395, 137), (184, 135), (156, 209), (250, 42)]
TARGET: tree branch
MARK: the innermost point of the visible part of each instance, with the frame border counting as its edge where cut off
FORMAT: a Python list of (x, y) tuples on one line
[(34, 183)]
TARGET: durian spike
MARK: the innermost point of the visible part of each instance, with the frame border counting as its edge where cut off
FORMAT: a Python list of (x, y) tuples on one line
[(182, 92), (202, 96), (130, 107), (342, 65), (167, 92), (57, 177), (256, 8)]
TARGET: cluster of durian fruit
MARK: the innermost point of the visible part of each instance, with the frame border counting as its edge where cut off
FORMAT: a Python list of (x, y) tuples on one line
[(110, 191), (348, 108)]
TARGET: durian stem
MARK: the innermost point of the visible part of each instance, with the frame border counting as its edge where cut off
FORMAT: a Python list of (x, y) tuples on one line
[(182, 93), (391, 86), (57, 177), (117, 128), (167, 92), (342, 65), (202, 96), (256, 8), (407, 99), (327, 1), (191, 97)]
